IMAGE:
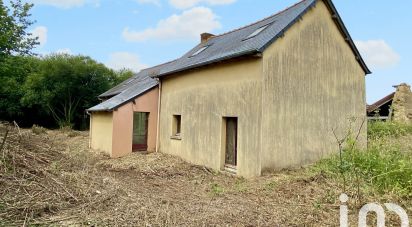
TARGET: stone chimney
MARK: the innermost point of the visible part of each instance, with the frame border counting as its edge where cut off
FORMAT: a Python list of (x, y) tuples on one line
[(402, 104), (204, 37)]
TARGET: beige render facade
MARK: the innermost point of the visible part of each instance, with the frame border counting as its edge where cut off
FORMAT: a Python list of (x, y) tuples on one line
[(287, 101)]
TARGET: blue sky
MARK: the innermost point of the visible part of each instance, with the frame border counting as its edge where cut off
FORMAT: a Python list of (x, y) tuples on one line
[(141, 33)]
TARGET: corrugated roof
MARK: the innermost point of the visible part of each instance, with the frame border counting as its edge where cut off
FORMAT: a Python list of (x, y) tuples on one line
[(129, 89), (371, 108), (236, 43)]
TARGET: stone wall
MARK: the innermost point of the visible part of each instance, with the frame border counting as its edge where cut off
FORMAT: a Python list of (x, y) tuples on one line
[(402, 104)]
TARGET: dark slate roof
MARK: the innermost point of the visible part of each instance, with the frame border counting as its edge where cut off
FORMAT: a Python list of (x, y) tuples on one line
[(235, 43), (132, 80), (118, 88), (128, 89), (133, 90), (379, 103)]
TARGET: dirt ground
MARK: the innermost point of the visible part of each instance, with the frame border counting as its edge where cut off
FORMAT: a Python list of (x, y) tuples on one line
[(161, 190)]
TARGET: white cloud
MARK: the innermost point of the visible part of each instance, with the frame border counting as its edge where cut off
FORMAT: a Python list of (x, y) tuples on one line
[(378, 54), (154, 2), (189, 24), (184, 4), (64, 51), (125, 60), (65, 4), (41, 33)]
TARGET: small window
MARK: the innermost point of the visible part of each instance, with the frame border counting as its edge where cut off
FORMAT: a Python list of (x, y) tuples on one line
[(257, 32), (176, 126), (199, 51)]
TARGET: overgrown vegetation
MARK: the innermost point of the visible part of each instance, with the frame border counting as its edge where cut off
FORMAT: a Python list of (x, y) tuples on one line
[(384, 167), (53, 90), (50, 177), (37, 178), (380, 129)]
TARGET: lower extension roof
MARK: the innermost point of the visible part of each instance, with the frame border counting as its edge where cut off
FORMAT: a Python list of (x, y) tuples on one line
[(128, 89)]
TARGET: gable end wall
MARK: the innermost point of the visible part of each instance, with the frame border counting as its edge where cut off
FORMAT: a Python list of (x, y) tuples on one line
[(312, 84)]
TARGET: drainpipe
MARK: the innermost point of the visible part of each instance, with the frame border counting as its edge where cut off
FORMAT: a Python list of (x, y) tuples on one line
[(158, 114), (90, 129)]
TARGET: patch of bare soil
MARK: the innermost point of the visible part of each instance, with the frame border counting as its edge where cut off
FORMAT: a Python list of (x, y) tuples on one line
[(62, 182)]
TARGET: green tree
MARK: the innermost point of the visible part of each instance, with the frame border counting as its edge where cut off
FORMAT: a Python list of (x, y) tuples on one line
[(14, 39), (15, 42), (66, 85), (13, 73), (122, 75)]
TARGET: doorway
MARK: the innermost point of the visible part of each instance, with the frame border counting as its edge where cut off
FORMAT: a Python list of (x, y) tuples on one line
[(140, 131), (231, 142)]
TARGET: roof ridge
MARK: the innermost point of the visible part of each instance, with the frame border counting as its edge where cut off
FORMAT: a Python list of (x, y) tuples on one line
[(256, 22)]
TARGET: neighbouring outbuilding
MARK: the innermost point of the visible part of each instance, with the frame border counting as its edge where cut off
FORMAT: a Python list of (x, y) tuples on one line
[(396, 106), (266, 96)]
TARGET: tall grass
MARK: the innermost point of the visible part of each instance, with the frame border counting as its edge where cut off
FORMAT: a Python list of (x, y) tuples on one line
[(381, 129), (385, 166)]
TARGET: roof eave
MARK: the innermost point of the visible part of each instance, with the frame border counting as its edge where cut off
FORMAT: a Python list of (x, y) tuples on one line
[(102, 110)]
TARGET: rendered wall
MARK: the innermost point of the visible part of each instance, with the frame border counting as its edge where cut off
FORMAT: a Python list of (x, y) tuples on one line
[(203, 97), (101, 131), (123, 123), (312, 83)]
